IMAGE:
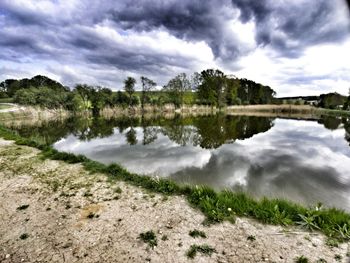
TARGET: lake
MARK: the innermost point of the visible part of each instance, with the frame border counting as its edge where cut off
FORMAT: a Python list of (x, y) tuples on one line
[(306, 161)]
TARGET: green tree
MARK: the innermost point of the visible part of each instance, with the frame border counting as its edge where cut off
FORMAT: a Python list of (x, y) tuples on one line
[(332, 100), (129, 87), (131, 136), (346, 105), (25, 96), (176, 89), (212, 89), (147, 86), (84, 93)]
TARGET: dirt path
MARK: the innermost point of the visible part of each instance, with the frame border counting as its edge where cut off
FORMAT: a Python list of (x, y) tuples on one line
[(54, 212)]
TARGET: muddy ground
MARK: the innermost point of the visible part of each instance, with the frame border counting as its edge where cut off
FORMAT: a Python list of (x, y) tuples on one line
[(56, 212)]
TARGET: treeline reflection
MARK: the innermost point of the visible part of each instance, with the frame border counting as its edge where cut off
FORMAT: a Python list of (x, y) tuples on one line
[(208, 132)]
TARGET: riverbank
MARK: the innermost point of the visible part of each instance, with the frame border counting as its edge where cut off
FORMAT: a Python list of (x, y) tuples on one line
[(15, 112), (52, 211), (266, 110), (169, 111)]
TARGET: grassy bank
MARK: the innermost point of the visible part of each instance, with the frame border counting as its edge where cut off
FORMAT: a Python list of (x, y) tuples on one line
[(335, 113), (217, 206), (4, 106)]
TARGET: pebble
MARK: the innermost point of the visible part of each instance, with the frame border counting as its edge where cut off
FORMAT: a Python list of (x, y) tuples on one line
[(7, 256)]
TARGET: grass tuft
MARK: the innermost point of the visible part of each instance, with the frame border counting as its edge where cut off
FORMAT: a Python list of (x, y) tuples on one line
[(251, 238), (196, 233), (24, 236), (22, 207), (301, 259), (203, 249), (338, 257), (150, 238)]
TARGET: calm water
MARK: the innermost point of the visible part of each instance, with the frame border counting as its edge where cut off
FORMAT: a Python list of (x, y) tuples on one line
[(303, 161)]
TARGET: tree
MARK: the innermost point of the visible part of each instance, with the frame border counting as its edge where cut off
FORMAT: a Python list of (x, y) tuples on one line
[(346, 105), (84, 94), (196, 81), (213, 87), (176, 88), (232, 85), (131, 136), (332, 100), (147, 86), (11, 86), (129, 87)]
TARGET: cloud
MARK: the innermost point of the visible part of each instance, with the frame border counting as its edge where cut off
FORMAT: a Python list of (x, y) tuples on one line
[(163, 38)]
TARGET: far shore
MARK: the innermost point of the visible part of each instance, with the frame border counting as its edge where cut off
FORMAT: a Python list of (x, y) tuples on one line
[(169, 111)]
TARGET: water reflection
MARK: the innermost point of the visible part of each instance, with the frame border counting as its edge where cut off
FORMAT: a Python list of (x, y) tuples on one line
[(305, 161)]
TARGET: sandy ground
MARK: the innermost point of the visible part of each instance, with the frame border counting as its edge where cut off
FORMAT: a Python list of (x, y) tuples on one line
[(73, 216)]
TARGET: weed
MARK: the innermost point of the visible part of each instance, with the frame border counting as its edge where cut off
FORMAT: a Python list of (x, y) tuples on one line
[(301, 259), (196, 233), (307, 238), (308, 221), (117, 190), (331, 242), (251, 238), (338, 257), (92, 215), (344, 231), (22, 207), (203, 249), (321, 260), (87, 194), (164, 237), (150, 238), (24, 236)]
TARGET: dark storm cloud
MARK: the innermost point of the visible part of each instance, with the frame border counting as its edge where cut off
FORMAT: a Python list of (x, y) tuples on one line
[(286, 27), (289, 28), (190, 20), (68, 32)]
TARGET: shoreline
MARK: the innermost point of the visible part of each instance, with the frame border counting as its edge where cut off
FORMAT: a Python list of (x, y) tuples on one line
[(168, 111), (57, 211)]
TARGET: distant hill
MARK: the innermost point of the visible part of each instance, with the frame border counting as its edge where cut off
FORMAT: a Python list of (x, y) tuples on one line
[(306, 98), (9, 87)]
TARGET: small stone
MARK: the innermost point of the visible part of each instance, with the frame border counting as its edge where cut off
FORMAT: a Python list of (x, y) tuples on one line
[(7, 256)]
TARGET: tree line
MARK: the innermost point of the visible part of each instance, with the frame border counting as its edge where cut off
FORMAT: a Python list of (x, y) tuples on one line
[(210, 87)]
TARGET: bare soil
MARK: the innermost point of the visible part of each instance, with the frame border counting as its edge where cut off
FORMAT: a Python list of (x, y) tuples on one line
[(56, 212)]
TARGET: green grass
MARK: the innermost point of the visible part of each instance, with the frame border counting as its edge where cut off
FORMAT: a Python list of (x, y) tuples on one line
[(338, 257), (251, 238), (149, 238), (330, 112), (196, 233), (216, 206), (24, 236), (3, 107), (203, 249), (301, 259), (22, 207), (6, 100)]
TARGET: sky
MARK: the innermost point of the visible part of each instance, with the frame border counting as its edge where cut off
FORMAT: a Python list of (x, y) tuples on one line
[(299, 47)]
